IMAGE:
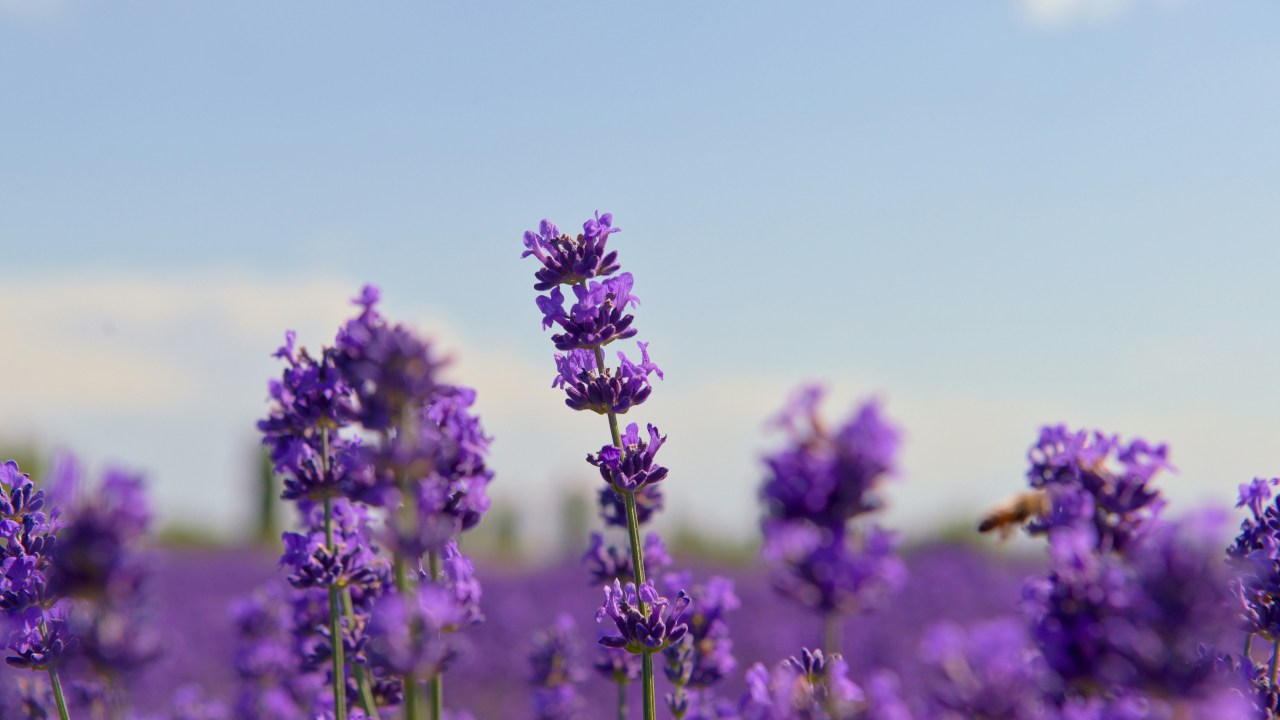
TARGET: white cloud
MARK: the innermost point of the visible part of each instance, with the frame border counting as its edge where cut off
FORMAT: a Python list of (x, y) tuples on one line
[(1064, 13)]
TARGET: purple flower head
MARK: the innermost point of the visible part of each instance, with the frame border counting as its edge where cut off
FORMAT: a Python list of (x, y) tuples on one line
[(827, 477), (607, 563), (613, 389), (310, 396), (1133, 620), (809, 687), (613, 509), (598, 316), (631, 467), (435, 611), (987, 670), (1111, 475), (655, 627), (833, 570), (570, 261), (40, 639), (390, 370), (705, 655), (556, 669)]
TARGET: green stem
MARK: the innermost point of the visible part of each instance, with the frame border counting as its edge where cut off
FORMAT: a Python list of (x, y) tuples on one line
[(1248, 647), (367, 703), (335, 613), (437, 681), (623, 709), (335, 631), (411, 689), (637, 559), (54, 680)]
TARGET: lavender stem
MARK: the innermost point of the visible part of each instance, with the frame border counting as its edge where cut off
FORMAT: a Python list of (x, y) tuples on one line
[(367, 703), (54, 680), (1275, 656), (437, 682), (637, 559), (622, 700), (335, 616)]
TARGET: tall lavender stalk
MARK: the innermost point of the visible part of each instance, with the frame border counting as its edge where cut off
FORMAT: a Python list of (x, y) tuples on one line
[(427, 470), (597, 317), (817, 485), (40, 639)]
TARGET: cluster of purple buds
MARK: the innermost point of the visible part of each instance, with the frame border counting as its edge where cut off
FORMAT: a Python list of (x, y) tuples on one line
[(816, 485), (367, 428), (704, 656), (646, 622), (555, 671), (1096, 480), (989, 669), (809, 686), (607, 563), (1129, 597), (71, 580)]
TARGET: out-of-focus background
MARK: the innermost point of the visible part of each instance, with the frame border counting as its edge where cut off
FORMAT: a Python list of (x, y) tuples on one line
[(990, 215)]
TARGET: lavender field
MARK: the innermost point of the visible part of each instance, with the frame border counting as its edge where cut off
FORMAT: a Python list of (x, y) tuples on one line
[(372, 608), (832, 360)]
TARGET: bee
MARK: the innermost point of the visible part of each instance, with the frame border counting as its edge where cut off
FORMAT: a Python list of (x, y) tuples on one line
[(1014, 512)]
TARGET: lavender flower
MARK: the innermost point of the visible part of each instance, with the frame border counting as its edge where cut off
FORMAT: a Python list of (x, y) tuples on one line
[(556, 670), (631, 467), (987, 670), (569, 261), (655, 627), (607, 563), (607, 390), (1133, 621), (808, 686), (1097, 480)]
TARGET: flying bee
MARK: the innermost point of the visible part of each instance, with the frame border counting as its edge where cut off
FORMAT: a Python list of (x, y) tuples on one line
[(1014, 512)]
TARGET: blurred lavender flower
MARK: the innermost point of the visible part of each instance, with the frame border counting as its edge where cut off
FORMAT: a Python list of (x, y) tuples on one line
[(556, 670), (804, 687), (607, 563), (1133, 623), (433, 611), (1096, 480), (816, 484), (613, 509), (704, 656), (987, 670)]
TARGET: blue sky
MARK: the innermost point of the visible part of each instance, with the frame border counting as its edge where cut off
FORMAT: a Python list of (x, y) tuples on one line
[(991, 215)]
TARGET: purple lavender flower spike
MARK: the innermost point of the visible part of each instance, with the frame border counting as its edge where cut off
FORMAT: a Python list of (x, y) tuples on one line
[(609, 563), (598, 316), (810, 685), (613, 390), (569, 261), (556, 671), (641, 632), (649, 502), (423, 654), (1096, 479), (631, 467), (987, 670)]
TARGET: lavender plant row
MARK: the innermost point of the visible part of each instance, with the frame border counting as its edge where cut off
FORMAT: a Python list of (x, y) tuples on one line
[(373, 611)]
